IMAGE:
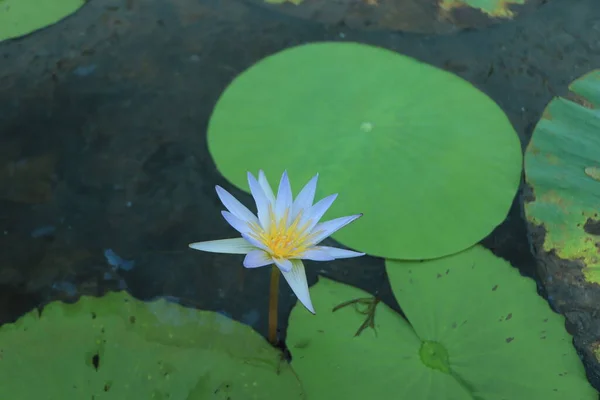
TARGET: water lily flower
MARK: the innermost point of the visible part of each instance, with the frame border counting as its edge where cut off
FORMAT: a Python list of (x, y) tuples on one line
[(284, 232)]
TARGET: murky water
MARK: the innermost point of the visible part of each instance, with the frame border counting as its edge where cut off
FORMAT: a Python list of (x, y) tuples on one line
[(105, 176)]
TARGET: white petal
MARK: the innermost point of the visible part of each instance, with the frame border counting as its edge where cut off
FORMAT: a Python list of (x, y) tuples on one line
[(237, 223), (264, 184), (227, 246), (262, 203), (296, 278), (305, 198), (234, 206), (255, 242), (284, 198), (317, 254), (314, 214), (257, 258), (327, 228), (283, 264), (335, 252)]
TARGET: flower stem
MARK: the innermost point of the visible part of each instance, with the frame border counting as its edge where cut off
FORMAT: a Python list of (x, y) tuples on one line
[(273, 299)]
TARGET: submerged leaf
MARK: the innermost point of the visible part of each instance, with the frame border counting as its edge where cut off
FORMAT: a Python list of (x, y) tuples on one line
[(422, 16), (492, 8), (295, 2)]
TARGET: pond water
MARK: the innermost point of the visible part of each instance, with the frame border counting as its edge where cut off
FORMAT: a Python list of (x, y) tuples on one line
[(106, 176)]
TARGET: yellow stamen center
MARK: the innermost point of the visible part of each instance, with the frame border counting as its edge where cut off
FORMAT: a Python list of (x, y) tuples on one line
[(284, 241)]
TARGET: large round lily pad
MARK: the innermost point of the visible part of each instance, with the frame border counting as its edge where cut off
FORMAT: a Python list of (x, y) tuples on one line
[(502, 338), (116, 347), (380, 363), (479, 331), (20, 17), (431, 161), (423, 16), (562, 167)]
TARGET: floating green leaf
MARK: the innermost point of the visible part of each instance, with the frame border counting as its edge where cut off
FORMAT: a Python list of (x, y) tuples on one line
[(562, 167), (479, 331), (378, 364), (395, 137), (116, 347), (503, 340), (20, 17)]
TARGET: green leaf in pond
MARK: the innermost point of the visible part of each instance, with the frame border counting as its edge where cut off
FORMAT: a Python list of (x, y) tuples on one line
[(561, 166), (380, 363), (396, 137), (479, 331), (116, 347), (20, 17), (502, 340)]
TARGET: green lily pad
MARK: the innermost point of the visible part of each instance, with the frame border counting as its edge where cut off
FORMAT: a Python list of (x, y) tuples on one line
[(479, 331), (503, 340), (20, 17), (116, 347), (562, 165), (334, 364), (393, 136)]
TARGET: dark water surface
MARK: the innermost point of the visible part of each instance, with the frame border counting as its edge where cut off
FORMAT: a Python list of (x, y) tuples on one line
[(102, 141)]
